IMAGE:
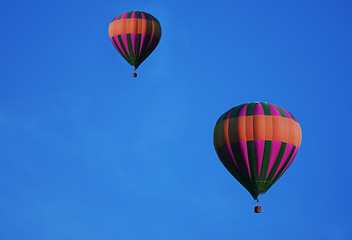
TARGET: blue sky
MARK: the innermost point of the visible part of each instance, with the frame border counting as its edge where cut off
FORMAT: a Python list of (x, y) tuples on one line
[(88, 152)]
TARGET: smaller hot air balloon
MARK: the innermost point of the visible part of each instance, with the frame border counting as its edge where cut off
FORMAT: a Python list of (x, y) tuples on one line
[(135, 34), (257, 142)]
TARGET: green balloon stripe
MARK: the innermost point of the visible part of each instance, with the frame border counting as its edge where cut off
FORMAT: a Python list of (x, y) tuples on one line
[(243, 169), (277, 161), (252, 164), (284, 165), (222, 153), (265, 167), (123, 47)]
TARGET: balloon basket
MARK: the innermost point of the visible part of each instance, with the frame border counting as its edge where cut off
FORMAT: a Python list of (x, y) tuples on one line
[(257, 209), (134, 74)]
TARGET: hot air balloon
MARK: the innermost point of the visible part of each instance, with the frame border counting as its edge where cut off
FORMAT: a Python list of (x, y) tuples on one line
[(257, 142), (135, 34)]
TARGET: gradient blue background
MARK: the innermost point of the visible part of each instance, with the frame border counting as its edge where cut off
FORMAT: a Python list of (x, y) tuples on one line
[(88, 152)]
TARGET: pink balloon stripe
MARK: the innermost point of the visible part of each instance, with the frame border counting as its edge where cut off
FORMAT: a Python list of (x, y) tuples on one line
[(133, 38), (258, 109), (124, 40), (117, 17), (288, 115), (259, 151), (288, 149), (274, 111), (244, 154), (242, 111), (134, 14), (151, 40), (124, 16), (143, 37), (230, 154), (228, 114), (275, 148), (291, 160), (118, 47)]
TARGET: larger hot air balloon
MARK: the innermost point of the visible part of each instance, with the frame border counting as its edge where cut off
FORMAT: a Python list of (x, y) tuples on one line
[(135, 35), (257, 142)]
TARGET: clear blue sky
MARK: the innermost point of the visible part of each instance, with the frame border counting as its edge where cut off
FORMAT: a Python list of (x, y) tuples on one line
[(88, 152)]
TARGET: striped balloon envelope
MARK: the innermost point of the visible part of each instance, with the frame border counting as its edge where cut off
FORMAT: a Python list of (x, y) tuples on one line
[(135, 35), (257, 142)]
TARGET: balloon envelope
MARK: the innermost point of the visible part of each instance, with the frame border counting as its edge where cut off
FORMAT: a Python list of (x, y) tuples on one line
[(135, 35), (257, 142)]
